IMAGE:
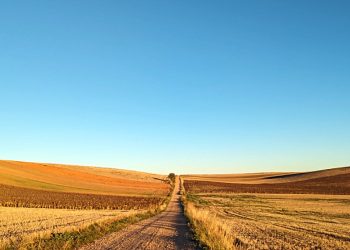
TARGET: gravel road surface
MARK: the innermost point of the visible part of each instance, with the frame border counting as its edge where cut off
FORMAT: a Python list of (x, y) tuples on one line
[(167, 230)]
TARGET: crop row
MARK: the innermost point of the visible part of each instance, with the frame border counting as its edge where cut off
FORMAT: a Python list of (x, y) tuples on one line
[(339, 184), (11, 196)]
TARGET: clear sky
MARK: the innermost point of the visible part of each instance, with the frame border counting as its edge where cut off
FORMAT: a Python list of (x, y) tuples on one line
[(181, 86)]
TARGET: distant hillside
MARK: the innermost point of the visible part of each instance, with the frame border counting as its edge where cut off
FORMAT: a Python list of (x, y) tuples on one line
[(330, 181), (80, 179), (309, 175), (272, 177)]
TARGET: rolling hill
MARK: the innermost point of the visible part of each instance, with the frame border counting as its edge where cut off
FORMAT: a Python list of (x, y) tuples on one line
[(269, 177), (330, 181), (80, 179)]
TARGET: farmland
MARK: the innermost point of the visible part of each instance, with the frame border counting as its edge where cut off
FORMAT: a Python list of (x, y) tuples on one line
[(81, 179), (338, 184), (39, 202), (268, 177), (24, 224), (303, 211), (23, 197)]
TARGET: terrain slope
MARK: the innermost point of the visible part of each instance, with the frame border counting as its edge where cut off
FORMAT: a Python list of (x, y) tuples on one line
[(80, 179), (269, 177), (330, 181)]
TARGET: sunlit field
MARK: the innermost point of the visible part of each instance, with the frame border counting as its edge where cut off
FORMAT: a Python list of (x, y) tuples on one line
[(276, 221), (248, 216), (39, 202), (21, 225)]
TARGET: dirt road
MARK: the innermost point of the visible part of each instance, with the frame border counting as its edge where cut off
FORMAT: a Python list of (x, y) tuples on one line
[(167, 230)]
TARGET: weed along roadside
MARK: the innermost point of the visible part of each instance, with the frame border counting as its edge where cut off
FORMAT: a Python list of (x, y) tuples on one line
[(209, 231)]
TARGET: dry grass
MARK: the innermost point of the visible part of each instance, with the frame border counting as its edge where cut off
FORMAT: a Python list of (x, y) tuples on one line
[(21, 225), (211, 230), (270, 221)]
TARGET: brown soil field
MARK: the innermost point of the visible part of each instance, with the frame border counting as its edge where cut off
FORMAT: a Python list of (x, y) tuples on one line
[(253, 178), (79, 179), (337, 184), (11, 196), (268, 177)]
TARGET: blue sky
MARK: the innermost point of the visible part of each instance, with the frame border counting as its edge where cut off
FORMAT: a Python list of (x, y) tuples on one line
[(180, 86)]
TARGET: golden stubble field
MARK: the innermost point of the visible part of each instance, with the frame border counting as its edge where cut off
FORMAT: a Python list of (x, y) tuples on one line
[(226, 218), (20, 225)]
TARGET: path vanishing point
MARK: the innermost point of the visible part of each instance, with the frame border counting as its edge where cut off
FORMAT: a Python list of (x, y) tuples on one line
[(167, 230)]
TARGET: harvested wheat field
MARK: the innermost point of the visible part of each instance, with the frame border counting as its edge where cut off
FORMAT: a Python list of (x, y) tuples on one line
[(21, 225), (308, 213)]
